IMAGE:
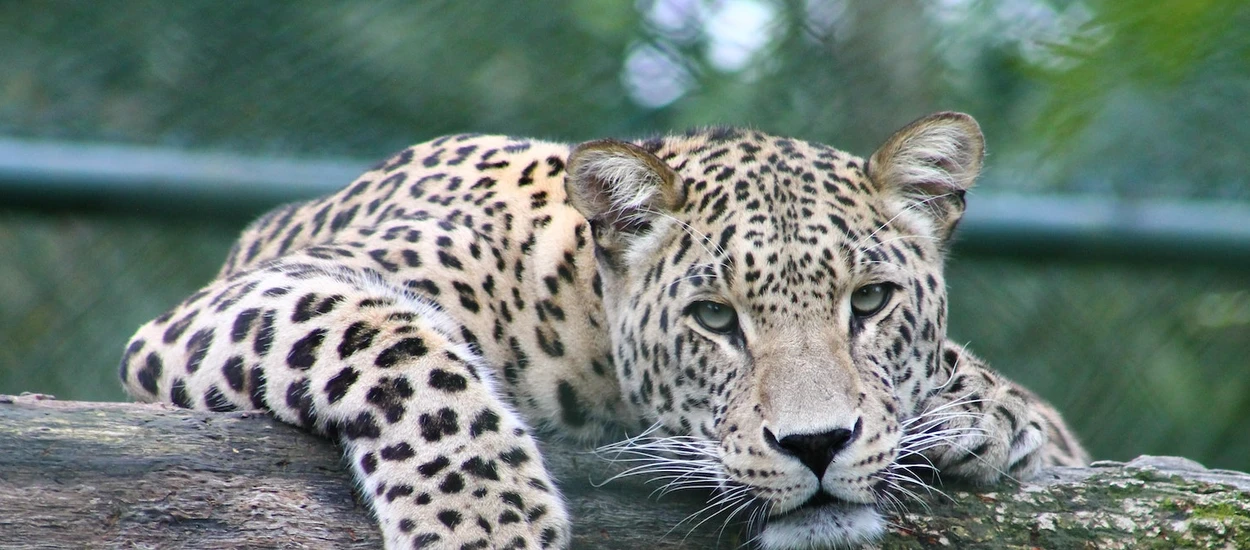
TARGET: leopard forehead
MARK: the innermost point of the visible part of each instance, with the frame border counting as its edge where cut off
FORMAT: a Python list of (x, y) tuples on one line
[(782, 220)]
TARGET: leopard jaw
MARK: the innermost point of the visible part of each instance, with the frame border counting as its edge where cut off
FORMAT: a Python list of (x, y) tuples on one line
[(833, 525)]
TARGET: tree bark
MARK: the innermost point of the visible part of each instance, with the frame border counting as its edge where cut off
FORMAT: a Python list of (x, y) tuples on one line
[(89, 475)]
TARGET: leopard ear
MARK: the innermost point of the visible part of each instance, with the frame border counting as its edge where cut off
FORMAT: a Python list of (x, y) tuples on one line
[(928, 165), (621, 189)]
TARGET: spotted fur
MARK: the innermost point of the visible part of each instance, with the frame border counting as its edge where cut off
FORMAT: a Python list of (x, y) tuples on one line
[(709, 290)]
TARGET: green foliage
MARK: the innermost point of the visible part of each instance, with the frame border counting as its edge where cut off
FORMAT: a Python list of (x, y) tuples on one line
[(1137, 79)]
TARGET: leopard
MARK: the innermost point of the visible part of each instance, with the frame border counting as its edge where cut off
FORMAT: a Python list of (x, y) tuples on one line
[(764, 315)]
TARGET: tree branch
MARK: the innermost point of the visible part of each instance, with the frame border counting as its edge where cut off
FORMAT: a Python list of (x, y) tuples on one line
[(131, 475)]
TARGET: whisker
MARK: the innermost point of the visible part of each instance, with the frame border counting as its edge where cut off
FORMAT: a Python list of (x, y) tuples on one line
[(720, 503), (746, 504)]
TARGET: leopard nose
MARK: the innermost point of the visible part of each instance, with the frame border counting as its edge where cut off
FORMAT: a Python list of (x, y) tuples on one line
[(815, 450)]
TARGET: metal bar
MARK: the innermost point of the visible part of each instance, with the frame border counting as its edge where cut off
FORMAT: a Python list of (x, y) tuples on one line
[(1103, 228), (138, 179), (152, 180)]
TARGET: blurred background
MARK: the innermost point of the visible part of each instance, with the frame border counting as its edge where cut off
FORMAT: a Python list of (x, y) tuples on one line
[(1104, 262)]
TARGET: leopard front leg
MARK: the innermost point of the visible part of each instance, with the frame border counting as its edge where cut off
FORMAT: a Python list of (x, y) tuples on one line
[(441, 459), (982, 427)]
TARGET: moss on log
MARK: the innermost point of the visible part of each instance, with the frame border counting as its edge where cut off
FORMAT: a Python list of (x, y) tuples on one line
[(148, 476)]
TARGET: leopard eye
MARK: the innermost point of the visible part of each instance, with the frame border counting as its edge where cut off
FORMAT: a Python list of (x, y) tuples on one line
[(869, 299), (714, 316)]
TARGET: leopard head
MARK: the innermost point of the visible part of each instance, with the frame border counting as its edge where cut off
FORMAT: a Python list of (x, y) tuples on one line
[(777, 309)]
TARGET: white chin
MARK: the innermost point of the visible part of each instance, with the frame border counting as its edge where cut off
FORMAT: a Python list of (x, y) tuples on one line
[(830, 526)]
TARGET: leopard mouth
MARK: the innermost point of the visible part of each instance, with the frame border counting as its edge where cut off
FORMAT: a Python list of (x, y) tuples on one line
[(824, 521)]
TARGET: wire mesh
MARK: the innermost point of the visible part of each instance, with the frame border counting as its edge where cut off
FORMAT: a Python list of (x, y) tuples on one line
[(1142, 358)]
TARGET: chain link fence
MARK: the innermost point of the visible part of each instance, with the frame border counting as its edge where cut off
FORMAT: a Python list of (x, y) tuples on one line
[(1144, 357)]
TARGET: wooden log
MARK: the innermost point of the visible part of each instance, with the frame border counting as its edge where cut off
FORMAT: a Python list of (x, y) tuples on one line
[(90, 475)]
